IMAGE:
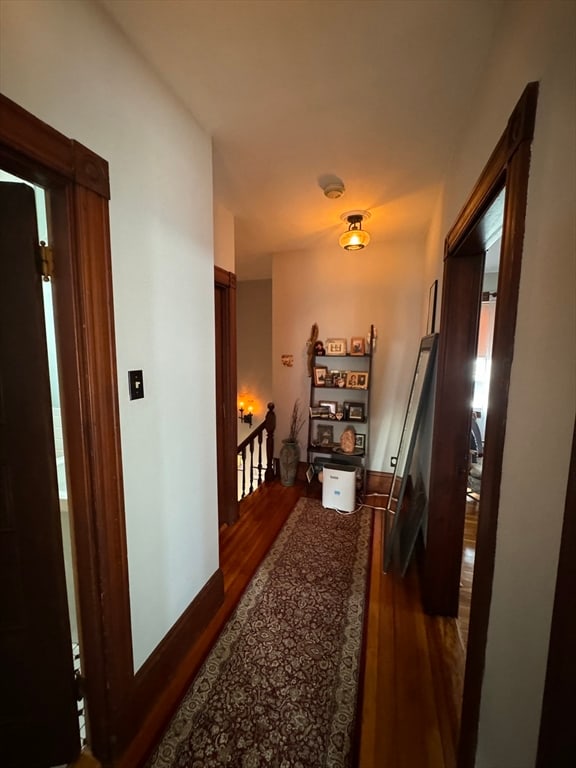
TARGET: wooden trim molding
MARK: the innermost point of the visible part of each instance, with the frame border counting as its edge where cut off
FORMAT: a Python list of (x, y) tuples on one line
[(162, 681), (77, 184), (507, 168), (519, 129)]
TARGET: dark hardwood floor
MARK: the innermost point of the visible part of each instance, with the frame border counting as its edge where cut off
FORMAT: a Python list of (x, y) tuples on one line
[(467, 571), (408, 708)]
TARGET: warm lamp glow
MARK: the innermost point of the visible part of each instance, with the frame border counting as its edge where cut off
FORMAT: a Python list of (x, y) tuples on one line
[(355, 238)]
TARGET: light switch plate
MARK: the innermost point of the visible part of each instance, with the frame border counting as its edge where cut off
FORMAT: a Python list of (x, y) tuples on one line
[(136, 384)]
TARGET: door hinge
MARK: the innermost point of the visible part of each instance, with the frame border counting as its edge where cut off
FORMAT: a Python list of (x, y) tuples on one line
[(46, 261)]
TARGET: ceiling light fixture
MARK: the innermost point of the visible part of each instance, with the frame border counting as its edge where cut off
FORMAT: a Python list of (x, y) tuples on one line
[(355, 238)]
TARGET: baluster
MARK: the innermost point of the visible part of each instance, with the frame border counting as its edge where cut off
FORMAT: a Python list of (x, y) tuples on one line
[(270, 426), (251, 466), (260, 458), (243, 454)]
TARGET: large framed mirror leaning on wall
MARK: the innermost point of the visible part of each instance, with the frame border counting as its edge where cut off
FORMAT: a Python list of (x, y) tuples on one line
[(405, 526)]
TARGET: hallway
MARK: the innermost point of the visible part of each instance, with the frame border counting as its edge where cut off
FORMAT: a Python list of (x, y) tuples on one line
[(407, 717)]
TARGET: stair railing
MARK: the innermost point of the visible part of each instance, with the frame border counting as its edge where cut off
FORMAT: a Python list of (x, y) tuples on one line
[(249, 451)]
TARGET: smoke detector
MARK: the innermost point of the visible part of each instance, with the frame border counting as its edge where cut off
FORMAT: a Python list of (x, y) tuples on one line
[(334, 190)]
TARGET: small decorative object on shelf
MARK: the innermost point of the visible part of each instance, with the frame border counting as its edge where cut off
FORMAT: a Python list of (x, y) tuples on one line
[(348, 440), (337, 440)]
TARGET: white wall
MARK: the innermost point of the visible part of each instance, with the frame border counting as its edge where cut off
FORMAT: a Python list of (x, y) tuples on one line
[(224, 248), (536, 41), (345, 293), (254, 305), (68, 65)]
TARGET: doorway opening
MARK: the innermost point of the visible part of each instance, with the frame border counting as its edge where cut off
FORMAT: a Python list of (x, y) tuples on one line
[(481, 371)]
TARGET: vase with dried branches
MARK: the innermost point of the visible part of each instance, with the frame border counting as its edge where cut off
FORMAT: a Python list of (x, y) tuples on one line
[(289, 456)]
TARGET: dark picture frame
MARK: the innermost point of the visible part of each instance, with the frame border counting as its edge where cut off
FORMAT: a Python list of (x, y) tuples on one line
[(320, 372), (325, 435), (354, 411), (432, 299)]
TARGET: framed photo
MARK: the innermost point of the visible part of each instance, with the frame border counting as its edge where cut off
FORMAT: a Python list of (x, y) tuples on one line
[(332, 406), (335, 346), (325, 435), (320, 375), (357, 380), (319, 412), (360, 443), (354, 411), (357, 345)]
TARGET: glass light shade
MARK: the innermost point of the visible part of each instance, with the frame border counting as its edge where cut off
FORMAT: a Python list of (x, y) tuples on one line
[(354, 239)]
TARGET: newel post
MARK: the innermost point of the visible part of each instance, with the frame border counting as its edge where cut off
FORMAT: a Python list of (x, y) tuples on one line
[(270, 426)]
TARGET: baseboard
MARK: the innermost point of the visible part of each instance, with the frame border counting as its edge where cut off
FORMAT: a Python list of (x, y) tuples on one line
[(161, 682), (378, 482)]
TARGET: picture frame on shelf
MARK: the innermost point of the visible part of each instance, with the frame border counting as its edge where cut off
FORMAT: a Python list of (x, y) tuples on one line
[(320, 375), (360, 443), (357, 380), (354, 411), (325, 435), (335, 346), (332, 406), (319, 412), (357, 345)]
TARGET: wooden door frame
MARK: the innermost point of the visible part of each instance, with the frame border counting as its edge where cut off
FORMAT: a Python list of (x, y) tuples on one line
[(78, 184), (507, 167), (119, 701), (225, 282)]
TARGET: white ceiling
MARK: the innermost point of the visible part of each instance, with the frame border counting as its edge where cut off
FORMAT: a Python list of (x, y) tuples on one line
[(374, 92)]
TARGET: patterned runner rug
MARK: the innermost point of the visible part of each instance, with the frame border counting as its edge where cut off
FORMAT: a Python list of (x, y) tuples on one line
[(280, 685)]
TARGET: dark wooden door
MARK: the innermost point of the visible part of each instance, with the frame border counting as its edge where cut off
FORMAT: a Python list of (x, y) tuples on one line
[(226, 430), (451, 441), (38, 719)]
